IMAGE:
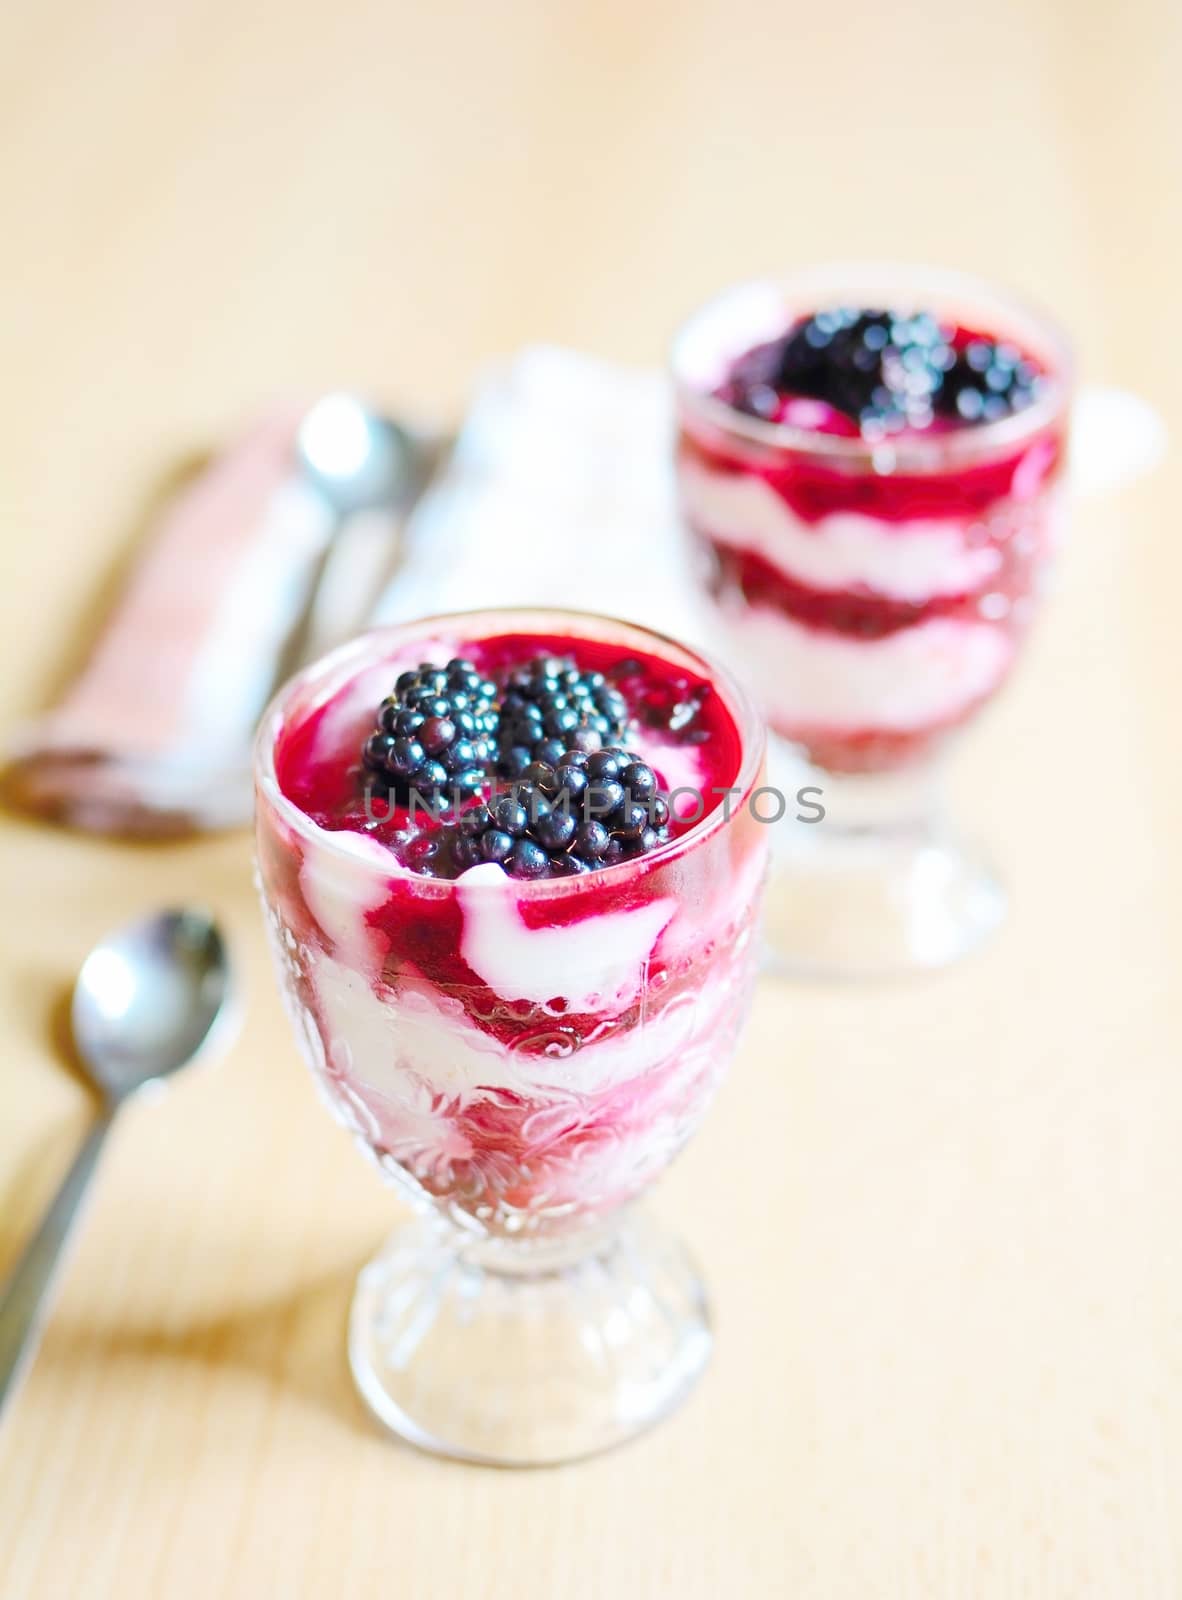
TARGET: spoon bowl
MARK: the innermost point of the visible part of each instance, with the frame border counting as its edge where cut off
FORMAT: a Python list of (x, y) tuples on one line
[(368, 470), (148, 999), (355, 457)]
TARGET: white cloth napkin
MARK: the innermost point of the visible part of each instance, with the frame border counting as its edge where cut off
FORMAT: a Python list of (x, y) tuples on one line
[(559, 493)]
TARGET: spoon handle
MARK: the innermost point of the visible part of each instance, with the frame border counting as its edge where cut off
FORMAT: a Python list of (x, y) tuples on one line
[(25, 1300)]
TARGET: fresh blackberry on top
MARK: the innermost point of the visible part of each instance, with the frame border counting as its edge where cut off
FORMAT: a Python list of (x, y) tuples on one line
[(879, 373), (531, 760), (435, 732), (548, 705), (581, 813), (988, 381)]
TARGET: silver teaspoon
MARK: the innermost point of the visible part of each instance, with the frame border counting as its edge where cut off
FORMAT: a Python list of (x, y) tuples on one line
[(148, 999), (357, 461)]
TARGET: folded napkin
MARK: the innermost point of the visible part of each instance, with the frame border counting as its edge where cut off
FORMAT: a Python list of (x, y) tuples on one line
[(154, 735), (559, 493)]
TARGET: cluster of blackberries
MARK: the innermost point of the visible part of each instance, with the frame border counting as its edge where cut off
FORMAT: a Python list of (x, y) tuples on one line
[(436, 733), (588, 810), (549, 706), (886, 371), (881, 369), (988, 381), (574, 798)]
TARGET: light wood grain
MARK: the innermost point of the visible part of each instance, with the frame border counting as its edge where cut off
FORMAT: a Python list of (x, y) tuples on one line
[(940, 1220)]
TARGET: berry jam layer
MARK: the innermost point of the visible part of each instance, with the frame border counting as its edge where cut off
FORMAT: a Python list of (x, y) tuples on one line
[(529, 1048), (875, 496)]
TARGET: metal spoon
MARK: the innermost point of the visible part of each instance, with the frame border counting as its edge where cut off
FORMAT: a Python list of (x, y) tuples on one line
[(355, 457), (357, 461), (148, 999), (369, 472)]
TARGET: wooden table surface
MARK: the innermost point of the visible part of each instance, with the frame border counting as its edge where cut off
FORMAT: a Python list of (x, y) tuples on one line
[(941, 1220)]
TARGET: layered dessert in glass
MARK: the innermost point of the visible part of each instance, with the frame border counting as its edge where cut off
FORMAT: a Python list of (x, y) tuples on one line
[(870, 462), (510, 872)]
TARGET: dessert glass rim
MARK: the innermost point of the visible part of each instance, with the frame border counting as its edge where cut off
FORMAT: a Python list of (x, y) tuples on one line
[(331, 668), (912, 453)]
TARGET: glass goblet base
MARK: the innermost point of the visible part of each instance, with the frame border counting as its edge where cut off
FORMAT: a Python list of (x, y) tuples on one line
[(881, 886), (526, 1352)]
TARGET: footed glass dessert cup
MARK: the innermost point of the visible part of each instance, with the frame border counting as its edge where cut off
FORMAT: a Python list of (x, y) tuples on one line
[(870, 465), (520, 1021)]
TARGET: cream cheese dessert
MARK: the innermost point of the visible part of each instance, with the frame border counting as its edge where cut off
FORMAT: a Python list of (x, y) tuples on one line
[(510, 873), (871, 466)]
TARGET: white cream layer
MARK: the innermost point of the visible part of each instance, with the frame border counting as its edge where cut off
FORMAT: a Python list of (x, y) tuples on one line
[(918, 677), (415, 1044), (341, 884), (594, 963), (914, 560)]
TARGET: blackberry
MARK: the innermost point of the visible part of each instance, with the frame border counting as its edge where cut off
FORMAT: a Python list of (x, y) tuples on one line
[(880, 368), (578, 799), (836, 356), (435, 733), (571, 817), (548, 707), (624, 814), (988, 381)]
